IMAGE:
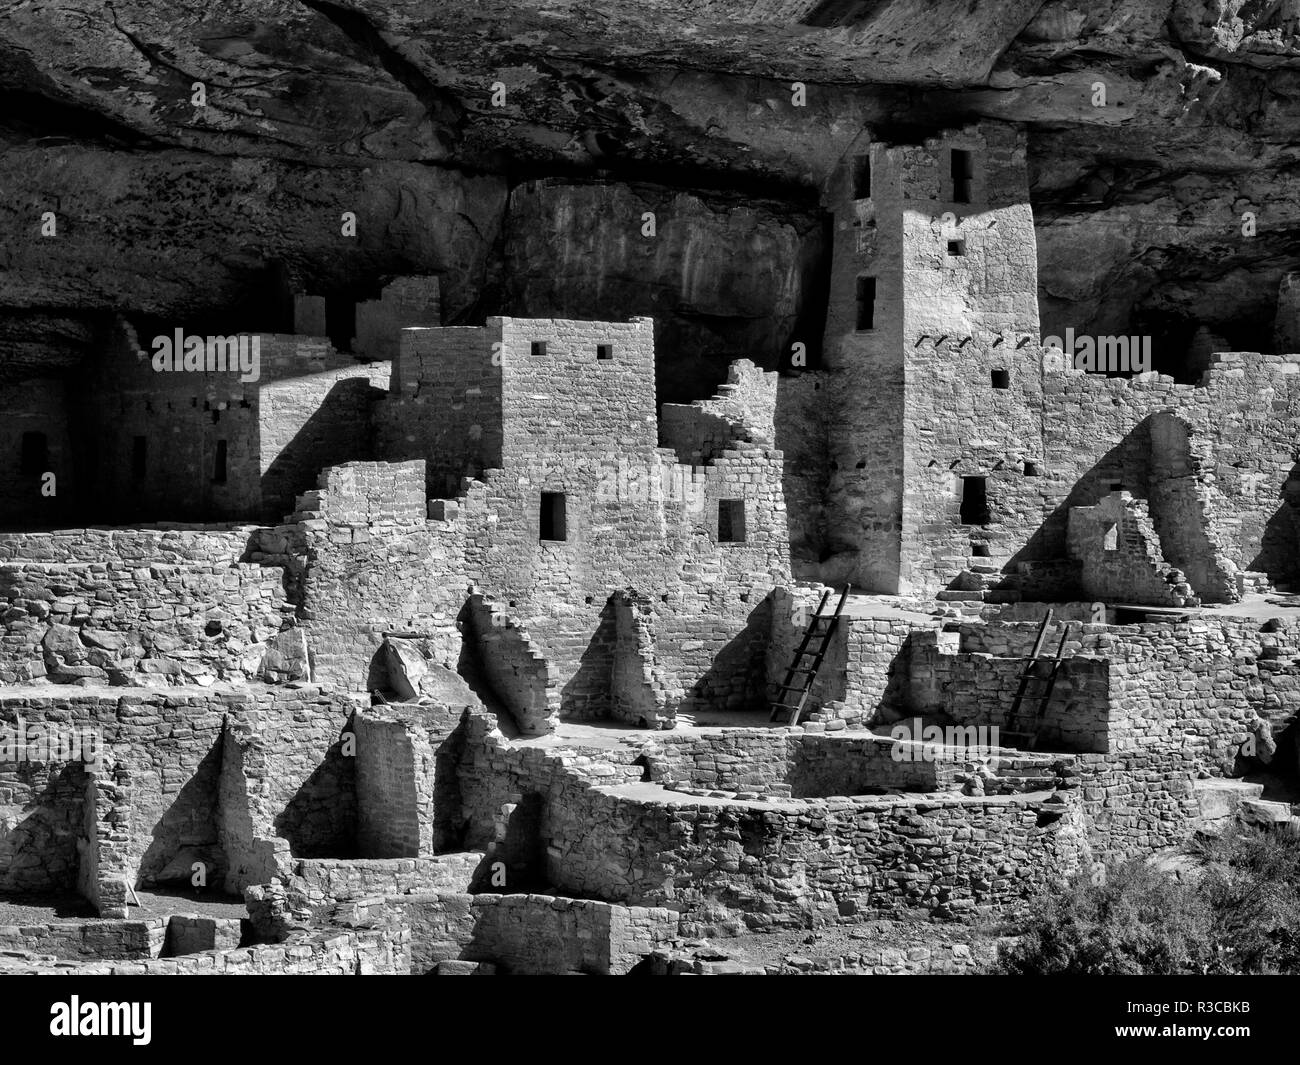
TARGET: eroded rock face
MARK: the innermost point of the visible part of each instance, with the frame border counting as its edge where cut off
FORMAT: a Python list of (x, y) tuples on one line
[(188, 213)]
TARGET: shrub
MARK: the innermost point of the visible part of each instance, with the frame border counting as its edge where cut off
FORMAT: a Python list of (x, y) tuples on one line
[(1237, 912)]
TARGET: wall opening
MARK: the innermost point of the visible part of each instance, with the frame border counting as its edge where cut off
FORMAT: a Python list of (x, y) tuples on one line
[(866, 303), (341, 321), (1110, 537), (862, 177), (604, 351), (539, 347), (974, 501), (219, 464), (139, 455), (34, 456), (731, 521), (553, 525), (1001, 379), (1031, 469), (956, 248), (963, 171)]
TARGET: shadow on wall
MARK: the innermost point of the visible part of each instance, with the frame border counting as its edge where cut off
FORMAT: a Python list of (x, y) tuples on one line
[(1155, 462), (736, 679), (187, 829), (1279, 549), (320, 820), (40, 851), (801, 435), (338, 430), (588, 693)]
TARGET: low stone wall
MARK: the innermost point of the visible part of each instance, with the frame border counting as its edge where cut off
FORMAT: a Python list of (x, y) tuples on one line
[(803, 765), (816, 860), (980, 690), (72, 941), (331, 952), (338, 880), (524, 934)]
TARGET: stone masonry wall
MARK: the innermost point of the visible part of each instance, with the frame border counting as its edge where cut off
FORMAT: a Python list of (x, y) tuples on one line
[(137, 624), (1121, 554), (948, 857)]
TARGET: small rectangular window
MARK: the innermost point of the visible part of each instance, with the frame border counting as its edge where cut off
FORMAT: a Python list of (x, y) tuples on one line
[(963, 170), (539, 347), (604, 351), (34, 458), (731, 521), (139, 450), (956, 248), (1110, 538), (1001, 379), (974, 501), (552, 519), (219, 465), (866, 303)]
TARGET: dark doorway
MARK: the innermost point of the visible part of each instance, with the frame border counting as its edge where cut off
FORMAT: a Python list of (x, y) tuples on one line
[(963, 171), (974, 501), (866, 303)]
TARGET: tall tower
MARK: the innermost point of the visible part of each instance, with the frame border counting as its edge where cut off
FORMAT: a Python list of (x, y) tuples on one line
[(933, 351)]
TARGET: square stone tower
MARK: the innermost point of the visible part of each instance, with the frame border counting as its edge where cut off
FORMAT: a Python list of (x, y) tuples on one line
[(933, 351)]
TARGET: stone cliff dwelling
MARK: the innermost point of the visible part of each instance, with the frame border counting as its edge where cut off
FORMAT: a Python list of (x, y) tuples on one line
[(456, 643)]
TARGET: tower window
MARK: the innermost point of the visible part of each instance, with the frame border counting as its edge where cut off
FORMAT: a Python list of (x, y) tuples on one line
[(956, 248), (866, 303), (139, 451), (731, 521), (34, 456), (539, 347), (861, 177), (1031, 469), (219, 464), (974, 501), (1110, 538), (604, 351), (963, 171), (552, 524), (1001, 379)]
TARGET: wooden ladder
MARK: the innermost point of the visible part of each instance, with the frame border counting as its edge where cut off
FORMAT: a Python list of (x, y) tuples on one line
[(1029, 673), (793, 695)]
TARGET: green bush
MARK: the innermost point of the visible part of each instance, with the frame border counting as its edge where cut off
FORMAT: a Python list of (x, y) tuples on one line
[(1238, 911)]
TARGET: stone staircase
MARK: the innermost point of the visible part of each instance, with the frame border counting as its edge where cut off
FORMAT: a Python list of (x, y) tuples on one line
[(977, 584), (1224, 801)]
